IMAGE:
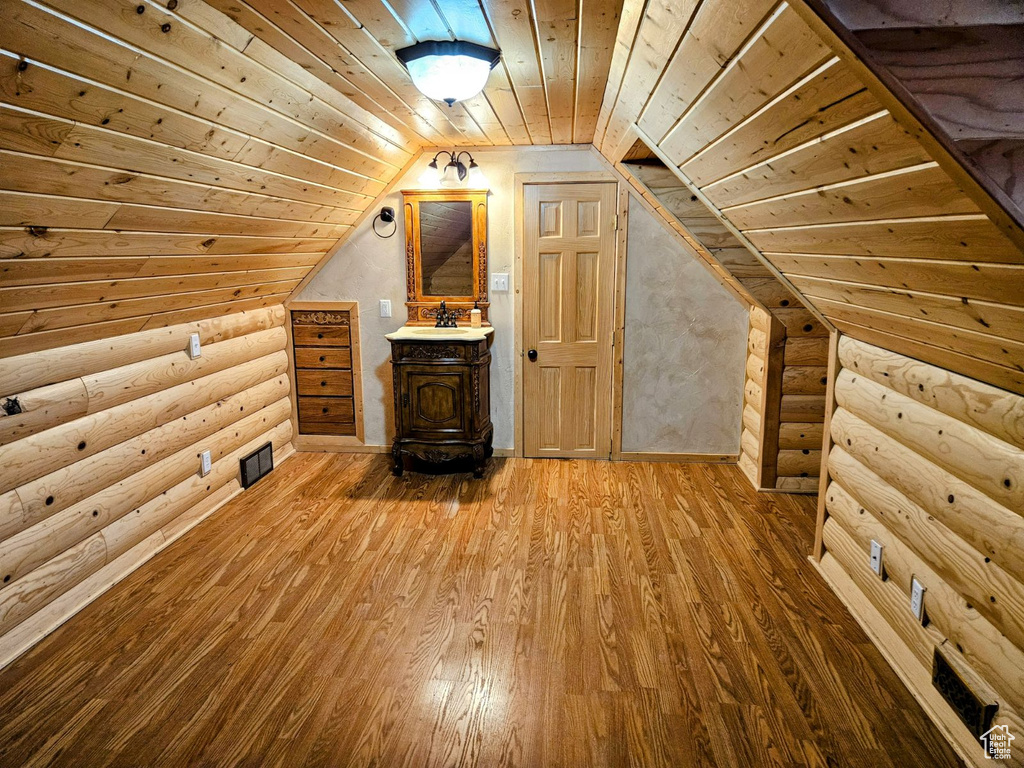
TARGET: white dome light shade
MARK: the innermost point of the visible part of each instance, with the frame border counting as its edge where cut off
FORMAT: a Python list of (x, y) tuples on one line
[(449, 78), (449, 71)]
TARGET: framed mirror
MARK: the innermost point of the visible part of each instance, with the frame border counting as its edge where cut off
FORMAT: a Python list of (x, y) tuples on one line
[(446, 253)]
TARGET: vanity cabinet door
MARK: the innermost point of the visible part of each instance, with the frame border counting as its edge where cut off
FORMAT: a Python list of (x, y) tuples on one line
[(434, 401)]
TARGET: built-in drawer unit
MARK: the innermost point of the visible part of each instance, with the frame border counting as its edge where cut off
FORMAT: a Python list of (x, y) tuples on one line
[(326, 380)]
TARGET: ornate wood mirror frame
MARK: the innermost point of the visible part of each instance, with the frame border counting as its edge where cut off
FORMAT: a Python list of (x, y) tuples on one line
[(445, 253)]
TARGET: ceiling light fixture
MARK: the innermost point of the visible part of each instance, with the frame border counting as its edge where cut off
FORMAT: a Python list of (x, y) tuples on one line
[(454, 172), (449, 70)]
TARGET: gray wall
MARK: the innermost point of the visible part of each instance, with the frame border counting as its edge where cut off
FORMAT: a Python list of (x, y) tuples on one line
[(686, 339), (366, 268)]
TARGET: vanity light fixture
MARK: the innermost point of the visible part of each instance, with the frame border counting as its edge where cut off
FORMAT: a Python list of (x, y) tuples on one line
[(454, 172), (449, 70)]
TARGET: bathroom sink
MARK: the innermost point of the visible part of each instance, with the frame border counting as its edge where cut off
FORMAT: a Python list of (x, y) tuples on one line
[(429, 333), (440, 331)]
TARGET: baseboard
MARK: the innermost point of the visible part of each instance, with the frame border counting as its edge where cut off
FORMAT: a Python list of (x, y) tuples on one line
[(335, 444), (313, 444), (22, 638), (895, 651), (680, 458)]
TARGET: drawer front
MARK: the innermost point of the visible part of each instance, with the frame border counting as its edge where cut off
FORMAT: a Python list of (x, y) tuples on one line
[(323, 357), (325, 383), (326, 416), (320, 335)]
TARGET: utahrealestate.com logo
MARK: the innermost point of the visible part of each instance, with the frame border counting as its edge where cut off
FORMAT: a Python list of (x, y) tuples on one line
[(996, 742)]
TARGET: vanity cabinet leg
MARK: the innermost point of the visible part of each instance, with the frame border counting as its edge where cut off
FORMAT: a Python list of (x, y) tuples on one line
[(396, 456), (479, 460)]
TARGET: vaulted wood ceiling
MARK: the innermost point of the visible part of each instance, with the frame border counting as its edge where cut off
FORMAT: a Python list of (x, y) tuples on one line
[(170, 159), (164, 160)]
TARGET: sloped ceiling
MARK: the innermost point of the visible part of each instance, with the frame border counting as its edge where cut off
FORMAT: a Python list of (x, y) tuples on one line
[(174, 159), (170, 159), (783, 139)]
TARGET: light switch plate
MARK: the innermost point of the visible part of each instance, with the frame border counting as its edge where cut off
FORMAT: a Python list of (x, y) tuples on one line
[(194, 348), (499, 282), (876, 557), (385, 307), (205, 463), (917, 590)]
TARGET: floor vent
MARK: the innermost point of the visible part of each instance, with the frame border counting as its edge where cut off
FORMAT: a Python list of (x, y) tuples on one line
[(975, 710), (257, 464)]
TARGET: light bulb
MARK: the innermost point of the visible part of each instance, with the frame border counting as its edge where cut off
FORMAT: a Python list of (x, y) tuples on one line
[(450, 177), (431, 177), (476, 178)]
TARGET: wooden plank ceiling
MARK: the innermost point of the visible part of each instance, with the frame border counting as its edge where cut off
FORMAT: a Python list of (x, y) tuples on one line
[(164, 160), (785, 141), (960, 65)]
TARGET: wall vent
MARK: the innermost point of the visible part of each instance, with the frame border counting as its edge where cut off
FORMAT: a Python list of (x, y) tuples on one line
[(257, 464), (975, 708)]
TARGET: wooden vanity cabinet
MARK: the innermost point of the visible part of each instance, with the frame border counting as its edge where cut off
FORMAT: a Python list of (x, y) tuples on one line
[(442, 402)]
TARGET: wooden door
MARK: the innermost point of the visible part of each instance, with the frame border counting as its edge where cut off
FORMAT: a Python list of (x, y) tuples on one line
[(568, 298)]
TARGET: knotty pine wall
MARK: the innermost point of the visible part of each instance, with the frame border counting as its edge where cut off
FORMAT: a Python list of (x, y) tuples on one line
[(780, 137), (161, 164), (931, 465), (100, 469)]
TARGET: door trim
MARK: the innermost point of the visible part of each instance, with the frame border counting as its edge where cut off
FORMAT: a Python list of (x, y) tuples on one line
[(618, 294)]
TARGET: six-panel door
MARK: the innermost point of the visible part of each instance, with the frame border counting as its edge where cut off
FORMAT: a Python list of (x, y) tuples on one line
[(568, 297)]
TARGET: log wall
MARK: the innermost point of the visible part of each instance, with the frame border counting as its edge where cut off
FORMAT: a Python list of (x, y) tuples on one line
[(930, 464), (752, 452), (99, 455), (783, 406)]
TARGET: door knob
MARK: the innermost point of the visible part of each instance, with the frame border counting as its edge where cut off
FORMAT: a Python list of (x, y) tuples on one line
[(532, 354)]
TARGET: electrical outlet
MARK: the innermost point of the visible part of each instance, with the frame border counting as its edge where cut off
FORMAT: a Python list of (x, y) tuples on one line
[(917, 590), (385, 307), (205, 463), (876, 557), (499, 282), (194, 348)]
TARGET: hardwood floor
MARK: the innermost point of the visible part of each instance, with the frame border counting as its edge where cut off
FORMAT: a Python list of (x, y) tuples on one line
[(554, 613)]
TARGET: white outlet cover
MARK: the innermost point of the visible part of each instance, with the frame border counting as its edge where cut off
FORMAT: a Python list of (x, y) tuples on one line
[(499, 282), (205, 463), (194, 348), (876, 557), (385, 307), (917, 590)]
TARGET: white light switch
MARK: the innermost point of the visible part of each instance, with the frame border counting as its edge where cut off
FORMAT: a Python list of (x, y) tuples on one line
[(917, 590), (385, 307), (876, 557), (499, 282), (194, 349), (205, 463)]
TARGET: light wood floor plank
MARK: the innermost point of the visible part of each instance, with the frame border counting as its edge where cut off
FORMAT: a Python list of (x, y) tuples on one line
[(555, 613)]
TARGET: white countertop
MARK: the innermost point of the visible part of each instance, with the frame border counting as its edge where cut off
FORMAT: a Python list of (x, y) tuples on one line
[(429, 333)]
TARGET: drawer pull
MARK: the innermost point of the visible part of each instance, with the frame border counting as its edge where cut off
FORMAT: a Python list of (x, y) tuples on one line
[(319, 335), (324, 410), (322, 358), (323, 383)]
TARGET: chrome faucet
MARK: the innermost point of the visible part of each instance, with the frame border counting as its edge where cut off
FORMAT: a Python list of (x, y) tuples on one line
[(445, 319)]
